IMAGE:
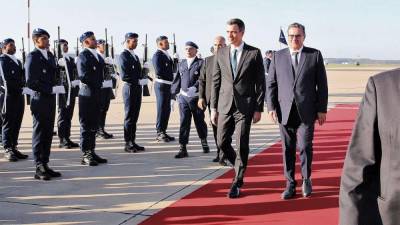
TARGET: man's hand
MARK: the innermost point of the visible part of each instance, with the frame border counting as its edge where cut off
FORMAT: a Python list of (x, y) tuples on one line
[(201, 103), (214, 117), (272, 116), (256, 117), (321, 117)]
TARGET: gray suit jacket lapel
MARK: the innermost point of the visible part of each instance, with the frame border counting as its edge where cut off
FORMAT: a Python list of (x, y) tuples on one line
[(242, 58), (290, 66), (227, 58)]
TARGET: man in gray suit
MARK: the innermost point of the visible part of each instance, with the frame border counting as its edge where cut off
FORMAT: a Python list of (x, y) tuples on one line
[(237, 98), (297, 95), (369, 190), (205, 81)]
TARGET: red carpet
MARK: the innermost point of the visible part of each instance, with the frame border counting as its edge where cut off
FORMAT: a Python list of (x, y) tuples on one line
[(260, 202)]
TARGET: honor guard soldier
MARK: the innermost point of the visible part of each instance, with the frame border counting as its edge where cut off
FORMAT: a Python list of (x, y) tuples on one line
[(163, 66), (186, 84), (1, 99), (106, 93), (131, 74), (40, 69), (90, 71), (12, 82), (205, 89), (66, 109)]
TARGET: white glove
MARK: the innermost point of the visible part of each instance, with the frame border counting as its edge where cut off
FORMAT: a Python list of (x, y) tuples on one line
[(109, 61), (75, 83), (146, 65), (175, 56), (27, 91), (114, 75), (76, 60), (58, 89), (192, 91), (143, 81), (172, 105), (61, 62), (107, 84)]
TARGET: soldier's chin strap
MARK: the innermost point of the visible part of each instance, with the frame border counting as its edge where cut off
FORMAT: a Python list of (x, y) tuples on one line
[(4, 108)]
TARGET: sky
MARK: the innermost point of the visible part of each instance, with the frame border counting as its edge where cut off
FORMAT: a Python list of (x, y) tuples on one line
[(340, 29)]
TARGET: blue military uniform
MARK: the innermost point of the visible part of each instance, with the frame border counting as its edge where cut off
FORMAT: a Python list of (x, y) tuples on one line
[(90, 71), (131, 74), (65, 112), (41, 77), (163, 66), (186, 79), (12, 83)]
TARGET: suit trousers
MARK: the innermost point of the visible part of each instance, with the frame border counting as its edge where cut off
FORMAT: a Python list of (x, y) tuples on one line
[(187, 108), (132, 95), (12, 119), (235, 121), (43, 108), (89, 109), (296, 133), (214, 129)]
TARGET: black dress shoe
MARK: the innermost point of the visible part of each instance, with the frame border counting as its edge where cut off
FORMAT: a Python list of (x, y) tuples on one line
[(169, 137), (306, 188), (19, 154), (138, 147), (129, 148), (102, 133), (98, 159), (234, 192), (216, 159), (10, 155), (223, 162), (87, 159), (204, 145), (289, 192), (41, 173), (67, 143), (182, 152), (161, 137), (51, 172)]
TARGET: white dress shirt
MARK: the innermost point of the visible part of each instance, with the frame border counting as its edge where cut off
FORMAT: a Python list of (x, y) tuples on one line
[(298, 55), (44, 53), (166, 53), (94, 52), (13, 58)]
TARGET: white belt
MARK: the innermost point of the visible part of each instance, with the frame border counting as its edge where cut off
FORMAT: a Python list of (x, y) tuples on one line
[(184, 93), (163, 81)]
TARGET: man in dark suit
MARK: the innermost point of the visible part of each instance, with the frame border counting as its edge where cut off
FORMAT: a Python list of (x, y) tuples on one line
[(163, 66), (267, 60), (237, 98), (66, 111), (40, 69), (297, 95), (12, 82), (131, 73), (205, 80), (186, 84), (369, 190), (90, 70)]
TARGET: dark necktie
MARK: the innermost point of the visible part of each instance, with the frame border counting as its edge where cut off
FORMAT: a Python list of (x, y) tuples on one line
[(234, 62)]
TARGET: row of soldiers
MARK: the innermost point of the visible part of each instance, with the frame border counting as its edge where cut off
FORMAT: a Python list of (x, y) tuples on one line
[(91, 77)]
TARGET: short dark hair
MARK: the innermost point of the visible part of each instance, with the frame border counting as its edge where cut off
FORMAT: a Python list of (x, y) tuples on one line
[(160, 38), (297, 25), (238, 22)]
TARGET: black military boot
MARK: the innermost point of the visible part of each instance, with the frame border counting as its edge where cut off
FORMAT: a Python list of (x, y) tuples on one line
[(103, 134), (87, 159), (182, 152), (41, 173), (97, 158), (161, 137), (168, 137), (10, 155), (129, 147), (18, 154), (67, 143), (51, 172), (138, 147), (204, 145)]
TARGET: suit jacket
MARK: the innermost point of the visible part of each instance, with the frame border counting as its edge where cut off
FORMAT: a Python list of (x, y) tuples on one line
[(246, 90), (307, 86), (186, 77), (370, 190), (131, 70), (90, 72), (163, 66), (205, 78), (41, 72), (13, 75)]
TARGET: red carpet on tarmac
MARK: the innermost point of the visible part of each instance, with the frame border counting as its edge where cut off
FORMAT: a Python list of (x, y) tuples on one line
[(260, 201)]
